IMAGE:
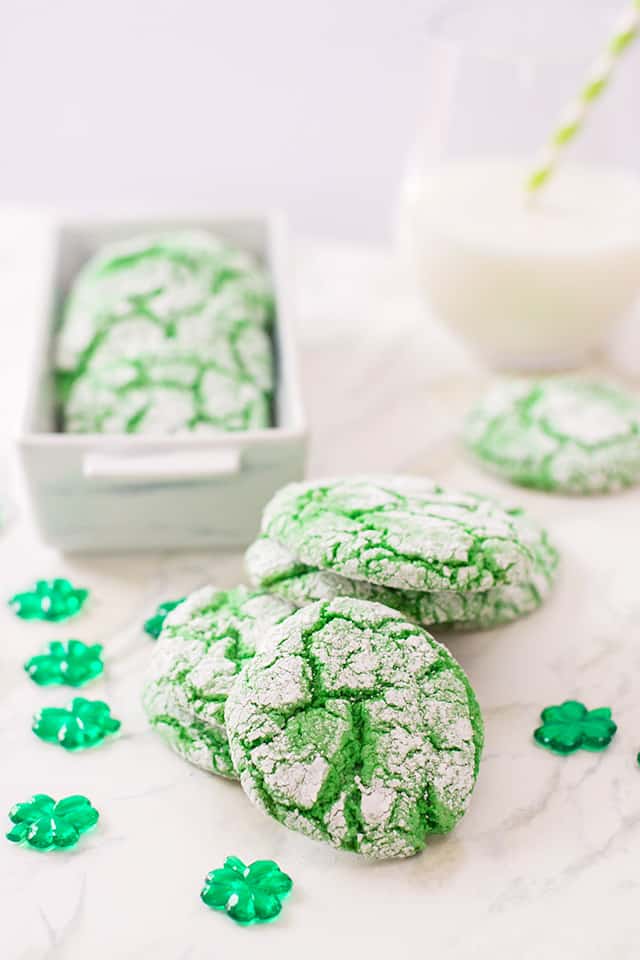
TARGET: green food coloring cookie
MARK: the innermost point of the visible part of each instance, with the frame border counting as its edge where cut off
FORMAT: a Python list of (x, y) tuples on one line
[(353, 726), (161, 395), (560, 435), (233, 344), (273, 567), (402, 532), (167, 334), (165, 277), (204, 643)]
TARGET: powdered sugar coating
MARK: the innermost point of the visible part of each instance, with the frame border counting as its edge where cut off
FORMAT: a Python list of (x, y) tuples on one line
[(166, 334), (164, 276), (205, 642), (558, 434), (155, 394), (227, 340), (402, 532), (354, 726), (270, 566)]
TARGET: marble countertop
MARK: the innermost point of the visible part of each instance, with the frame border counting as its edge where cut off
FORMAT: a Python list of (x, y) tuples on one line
[(544, 865)]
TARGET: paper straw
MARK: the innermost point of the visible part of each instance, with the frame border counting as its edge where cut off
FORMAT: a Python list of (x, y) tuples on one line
[(573, 118)]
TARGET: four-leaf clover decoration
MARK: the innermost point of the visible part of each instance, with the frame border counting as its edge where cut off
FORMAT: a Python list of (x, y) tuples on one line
[(71, 662), (53, 600), (153, 626), (570, 726), (46, 825), (84, 723), (252, 894)]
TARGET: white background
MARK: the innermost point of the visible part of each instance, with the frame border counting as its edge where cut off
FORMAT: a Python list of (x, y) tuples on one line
[(311, 105), (197, 103)]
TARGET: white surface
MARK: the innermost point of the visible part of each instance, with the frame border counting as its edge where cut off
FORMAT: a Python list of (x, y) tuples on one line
[(530, 281), (544, 865)]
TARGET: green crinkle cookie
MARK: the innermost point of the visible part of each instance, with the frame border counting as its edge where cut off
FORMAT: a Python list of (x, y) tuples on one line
[(167, 334), (204, 644), (273, 567), (564, 435), (164, 395), (353, 726), (232, 343), (403, 532), (165, 277)]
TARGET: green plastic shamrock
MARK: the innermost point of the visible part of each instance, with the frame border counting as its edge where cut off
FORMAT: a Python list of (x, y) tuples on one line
[(570, 726), (46, 825), (252, 894), (84, 723), (72, 662), (53, 600), (153, 626)]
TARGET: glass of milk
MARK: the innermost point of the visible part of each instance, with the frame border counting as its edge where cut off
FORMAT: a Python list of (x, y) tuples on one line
[(531, 282)]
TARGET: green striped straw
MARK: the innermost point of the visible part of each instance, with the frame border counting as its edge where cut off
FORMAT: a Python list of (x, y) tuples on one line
[(573, 118)]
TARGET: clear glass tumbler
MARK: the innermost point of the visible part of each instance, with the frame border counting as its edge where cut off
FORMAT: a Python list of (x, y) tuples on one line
[(530, 281)]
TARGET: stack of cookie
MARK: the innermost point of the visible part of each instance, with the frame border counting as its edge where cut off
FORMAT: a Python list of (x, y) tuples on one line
[(320, 690), (441, 558), (165, 334), (350, 724)]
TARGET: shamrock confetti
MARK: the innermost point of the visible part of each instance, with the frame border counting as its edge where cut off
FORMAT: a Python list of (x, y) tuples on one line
[(252, 894), (53, 600), (84, 723), (570, 726), (153, 626), (71, 662), (43, 824)]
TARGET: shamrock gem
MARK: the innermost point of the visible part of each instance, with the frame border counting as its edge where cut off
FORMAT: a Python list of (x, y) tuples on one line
[(71, 662), (84, 723), (45, 825), (570, 726), (53, 600), (251, 894), (153, 626)]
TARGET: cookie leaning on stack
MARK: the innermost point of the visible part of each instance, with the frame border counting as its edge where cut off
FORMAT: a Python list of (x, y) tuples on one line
[(436, 556), (355, 727)]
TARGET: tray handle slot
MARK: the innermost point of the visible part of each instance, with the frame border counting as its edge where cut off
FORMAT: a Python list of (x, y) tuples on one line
[(177, 465)]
